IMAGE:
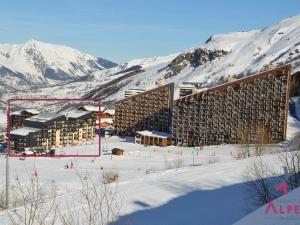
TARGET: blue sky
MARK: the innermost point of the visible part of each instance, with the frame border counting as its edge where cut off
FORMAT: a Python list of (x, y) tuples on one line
[(121, 30)]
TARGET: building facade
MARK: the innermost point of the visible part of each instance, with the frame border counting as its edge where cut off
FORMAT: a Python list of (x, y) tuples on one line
[(79, 127), (17, 118), (25, 137), (150, 110), (53, 130), (247, 110), (153, 138)]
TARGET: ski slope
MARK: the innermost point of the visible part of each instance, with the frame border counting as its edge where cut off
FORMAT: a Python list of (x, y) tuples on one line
[(152, 190)]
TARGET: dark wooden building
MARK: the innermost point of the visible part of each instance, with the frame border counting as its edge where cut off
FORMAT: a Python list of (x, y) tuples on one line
[(150, 110), (243, 111)]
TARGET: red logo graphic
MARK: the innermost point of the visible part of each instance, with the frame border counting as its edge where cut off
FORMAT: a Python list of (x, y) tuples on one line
[(281, 209)]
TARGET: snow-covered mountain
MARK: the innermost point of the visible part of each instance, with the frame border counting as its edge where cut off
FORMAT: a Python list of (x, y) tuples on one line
[(222, 55), (39, 63), (232, 54)]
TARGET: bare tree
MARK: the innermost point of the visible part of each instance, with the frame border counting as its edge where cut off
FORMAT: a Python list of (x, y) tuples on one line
[(244, 141), (173, 164), (257, 138), (260, 183), (290, 157), (98, 203), (262, 137), (2, 200), (36, 207)]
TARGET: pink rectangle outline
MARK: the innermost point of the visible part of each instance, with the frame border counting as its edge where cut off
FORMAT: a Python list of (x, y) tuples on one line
[(53, 99)]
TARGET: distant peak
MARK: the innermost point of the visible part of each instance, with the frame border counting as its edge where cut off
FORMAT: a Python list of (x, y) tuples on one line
[(31, 41)]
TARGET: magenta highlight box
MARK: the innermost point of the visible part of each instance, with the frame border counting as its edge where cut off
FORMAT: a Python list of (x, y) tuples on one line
[(62, 150)]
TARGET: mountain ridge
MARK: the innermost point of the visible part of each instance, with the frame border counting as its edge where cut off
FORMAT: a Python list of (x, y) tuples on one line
[(236, 54), (38, 63)]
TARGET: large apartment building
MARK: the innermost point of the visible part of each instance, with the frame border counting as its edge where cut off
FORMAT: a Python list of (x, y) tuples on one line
[(150, 110), (243, 111), (52, 130)]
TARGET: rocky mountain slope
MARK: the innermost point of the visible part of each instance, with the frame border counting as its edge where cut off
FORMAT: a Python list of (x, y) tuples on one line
[(232, 54), (236, 54)]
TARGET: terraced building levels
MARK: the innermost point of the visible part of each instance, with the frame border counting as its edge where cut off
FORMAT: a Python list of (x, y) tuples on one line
[(249, 110)]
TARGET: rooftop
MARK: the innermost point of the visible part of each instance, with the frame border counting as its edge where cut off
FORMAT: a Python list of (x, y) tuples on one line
[(187, 86), (76, 113), (92, 108), (154, 133), (135, 90), (169, 85), (110, 111), (19, 113), (44, 117), (105, 120), (24, 131), (275, 72)]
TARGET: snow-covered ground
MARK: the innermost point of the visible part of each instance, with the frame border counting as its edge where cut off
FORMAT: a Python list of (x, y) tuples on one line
[(209, 189), (285, 210)]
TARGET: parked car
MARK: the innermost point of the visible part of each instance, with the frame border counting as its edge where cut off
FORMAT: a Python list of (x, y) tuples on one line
[(106, 132), (3, 147)]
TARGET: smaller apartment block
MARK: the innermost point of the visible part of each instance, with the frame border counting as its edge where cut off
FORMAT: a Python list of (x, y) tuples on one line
[(249, 110), (52, 130), (150, 110)]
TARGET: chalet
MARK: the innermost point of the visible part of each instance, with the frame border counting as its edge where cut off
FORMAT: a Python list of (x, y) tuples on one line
[(155, 138), (106, 122), (108, 113)]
